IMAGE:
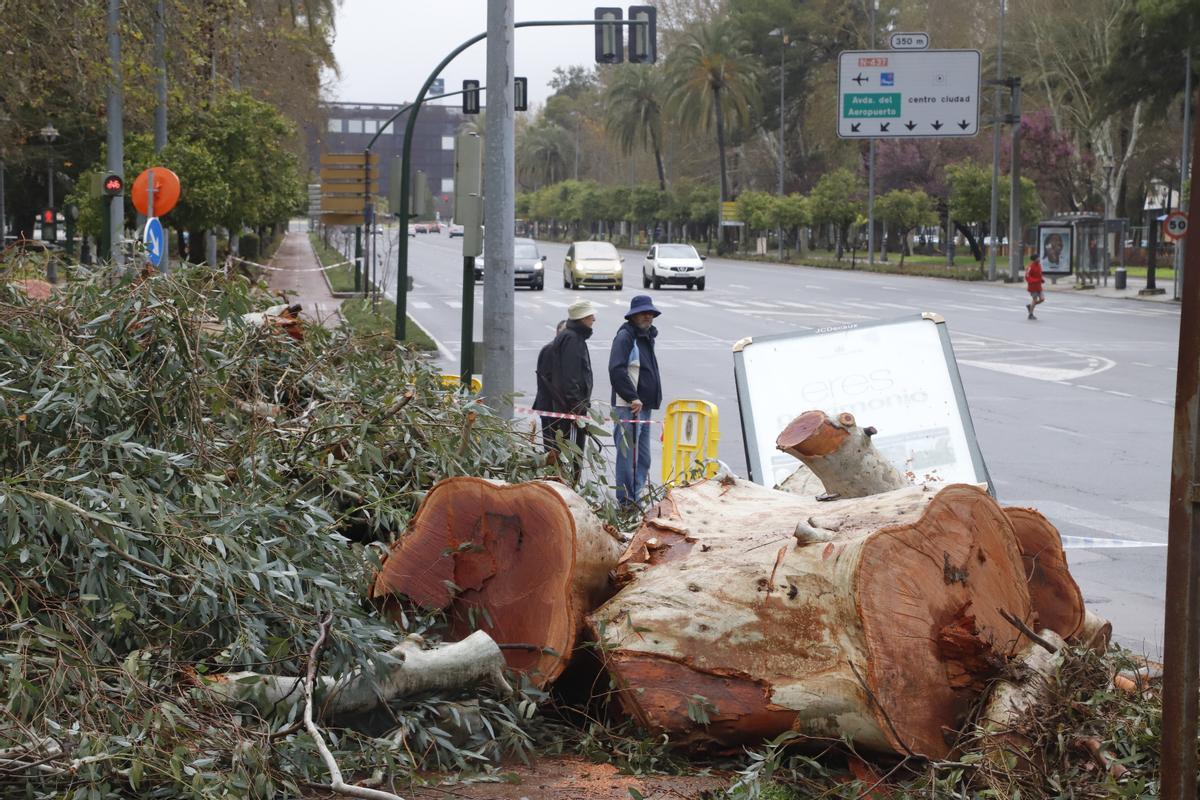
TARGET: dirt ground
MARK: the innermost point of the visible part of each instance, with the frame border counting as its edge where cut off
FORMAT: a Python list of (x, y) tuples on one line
[(569, 778)]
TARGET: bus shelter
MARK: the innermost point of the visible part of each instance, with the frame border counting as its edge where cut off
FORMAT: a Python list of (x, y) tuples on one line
[(1083, 244)]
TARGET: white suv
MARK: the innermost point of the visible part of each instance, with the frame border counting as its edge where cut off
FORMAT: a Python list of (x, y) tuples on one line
[(673, 263)]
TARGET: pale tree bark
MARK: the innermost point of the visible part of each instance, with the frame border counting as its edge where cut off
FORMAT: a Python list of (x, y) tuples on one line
[(1067, 44), (411, 669), (879, 618)]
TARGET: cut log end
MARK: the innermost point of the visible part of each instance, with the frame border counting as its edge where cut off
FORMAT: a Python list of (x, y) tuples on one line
[(840, 453), (813, 433), (1052, 591), (521, 562), (929, 596)]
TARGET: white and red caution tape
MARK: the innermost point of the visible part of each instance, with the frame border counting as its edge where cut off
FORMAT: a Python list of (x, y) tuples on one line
[(288, 269), (561, 415)]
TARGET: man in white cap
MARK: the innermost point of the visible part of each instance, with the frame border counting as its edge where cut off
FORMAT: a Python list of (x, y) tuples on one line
[(567, 373)]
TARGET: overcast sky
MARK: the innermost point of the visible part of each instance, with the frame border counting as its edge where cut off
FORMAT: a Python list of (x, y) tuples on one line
[(386, 48)]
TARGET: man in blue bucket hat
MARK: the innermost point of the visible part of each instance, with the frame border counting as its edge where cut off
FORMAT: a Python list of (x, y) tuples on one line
[(637, 391)]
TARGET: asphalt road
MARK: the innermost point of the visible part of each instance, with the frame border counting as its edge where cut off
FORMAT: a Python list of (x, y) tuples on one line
[(1073, 412)]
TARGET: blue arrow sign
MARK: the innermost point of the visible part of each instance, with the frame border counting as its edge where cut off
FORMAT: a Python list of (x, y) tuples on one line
[(154, 239)]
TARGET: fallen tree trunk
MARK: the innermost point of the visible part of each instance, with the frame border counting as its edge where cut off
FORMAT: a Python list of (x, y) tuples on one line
[(524, 562), (877, 618), (411, 669), (840, 454)]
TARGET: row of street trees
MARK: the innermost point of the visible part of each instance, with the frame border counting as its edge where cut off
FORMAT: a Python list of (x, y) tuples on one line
[(243, 75), (836, 204), (1100, 125)]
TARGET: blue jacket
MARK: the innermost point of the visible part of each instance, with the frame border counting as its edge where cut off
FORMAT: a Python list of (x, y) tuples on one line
[(649, 387)]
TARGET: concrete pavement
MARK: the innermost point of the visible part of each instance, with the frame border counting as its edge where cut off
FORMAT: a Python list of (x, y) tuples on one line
[(295, 272)]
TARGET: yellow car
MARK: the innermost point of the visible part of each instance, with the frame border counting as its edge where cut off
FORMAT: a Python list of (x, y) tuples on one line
[(592, 264)]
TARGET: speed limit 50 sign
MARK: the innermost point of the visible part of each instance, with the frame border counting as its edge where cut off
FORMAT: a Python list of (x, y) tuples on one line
[(1175, 225)]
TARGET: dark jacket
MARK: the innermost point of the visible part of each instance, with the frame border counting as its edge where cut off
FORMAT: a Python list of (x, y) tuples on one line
[(649, 387), (564, 372)]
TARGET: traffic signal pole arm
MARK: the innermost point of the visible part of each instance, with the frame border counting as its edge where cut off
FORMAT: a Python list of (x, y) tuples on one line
[(401, 326), (368, 206)]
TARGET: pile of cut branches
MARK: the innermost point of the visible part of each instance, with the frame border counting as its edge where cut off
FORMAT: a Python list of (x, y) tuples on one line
[(1095, 735), (184, 492)]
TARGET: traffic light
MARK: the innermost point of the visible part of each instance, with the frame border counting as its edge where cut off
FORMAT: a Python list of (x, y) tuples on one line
[(610, 44), (643, 47), (48, 217), (520, 94), (113, 185), (470, 98)]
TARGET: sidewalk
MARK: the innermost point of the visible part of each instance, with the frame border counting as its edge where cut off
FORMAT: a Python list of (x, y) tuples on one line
[(1067, 284), (296, 274)]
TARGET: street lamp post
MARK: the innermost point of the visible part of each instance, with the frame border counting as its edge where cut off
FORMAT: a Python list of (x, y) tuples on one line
[(49, 135), (784, 42)]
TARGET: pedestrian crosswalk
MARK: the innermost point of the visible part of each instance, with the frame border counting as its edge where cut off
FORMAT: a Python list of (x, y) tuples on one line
[(812, 311), (781, 310)]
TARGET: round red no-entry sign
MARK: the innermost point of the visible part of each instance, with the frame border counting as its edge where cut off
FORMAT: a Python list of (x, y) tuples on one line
[(166, 191)]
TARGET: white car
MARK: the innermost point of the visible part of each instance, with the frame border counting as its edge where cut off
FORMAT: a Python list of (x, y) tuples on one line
[(455, 229), (673, 263)]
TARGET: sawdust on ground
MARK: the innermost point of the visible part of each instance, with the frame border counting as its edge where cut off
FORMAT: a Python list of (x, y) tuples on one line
[(570, 778)]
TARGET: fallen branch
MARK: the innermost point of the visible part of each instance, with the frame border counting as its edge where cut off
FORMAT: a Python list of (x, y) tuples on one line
[(335, 773), (1025, 629), (414, 669)]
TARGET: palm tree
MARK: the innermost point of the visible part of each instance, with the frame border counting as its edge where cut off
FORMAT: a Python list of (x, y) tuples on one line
[(633, 111), (542, 154), (713, 81)]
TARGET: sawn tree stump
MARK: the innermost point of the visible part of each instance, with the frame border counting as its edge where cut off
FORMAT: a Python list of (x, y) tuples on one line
[(523, 562), (875, 618)]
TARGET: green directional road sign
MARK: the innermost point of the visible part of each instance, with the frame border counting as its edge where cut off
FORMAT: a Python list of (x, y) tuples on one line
[(885, 94), (859, 105)]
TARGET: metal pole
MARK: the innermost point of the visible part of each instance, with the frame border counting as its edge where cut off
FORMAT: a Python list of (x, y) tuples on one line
[(1181, 637), (1152, 256), (3, 213), (367, 248), (1181, 245), (871, 169), (994, 219), (406, 157), (51, 266), (499, 330), (160, 66), (1016, 249), (359, 272), (782, 50), (150, 203), (468, 321), (116, 131)]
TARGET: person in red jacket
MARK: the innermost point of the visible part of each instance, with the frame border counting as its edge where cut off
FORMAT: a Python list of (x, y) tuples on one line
[(1033, 282)]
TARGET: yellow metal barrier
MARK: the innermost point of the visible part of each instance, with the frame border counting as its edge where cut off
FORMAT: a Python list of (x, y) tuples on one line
[(453, 382), (690, 435)]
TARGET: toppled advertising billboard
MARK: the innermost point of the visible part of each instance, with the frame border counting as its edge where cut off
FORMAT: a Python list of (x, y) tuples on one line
[(899, 377)]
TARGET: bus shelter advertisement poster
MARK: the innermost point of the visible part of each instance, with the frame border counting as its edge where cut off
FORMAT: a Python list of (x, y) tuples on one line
[(895, 377)]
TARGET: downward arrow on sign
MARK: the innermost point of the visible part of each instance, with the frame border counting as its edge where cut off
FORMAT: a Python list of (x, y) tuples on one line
[(910, 125), (937, 125), (964, 124)]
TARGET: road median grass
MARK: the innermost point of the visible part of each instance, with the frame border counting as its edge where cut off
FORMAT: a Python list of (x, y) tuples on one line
[(364, 320), (341, 278)]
